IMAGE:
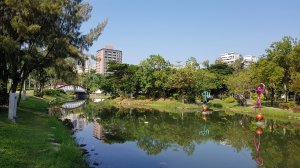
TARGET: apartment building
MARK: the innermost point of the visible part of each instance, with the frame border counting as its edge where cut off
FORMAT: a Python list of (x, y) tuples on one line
[(230, 57), (106, 55), (248, 59)]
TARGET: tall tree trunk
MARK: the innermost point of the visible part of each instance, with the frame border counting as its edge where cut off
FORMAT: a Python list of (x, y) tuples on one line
[(21, 90), (3, 80), (14, 85), (286, 93), (295, 96)]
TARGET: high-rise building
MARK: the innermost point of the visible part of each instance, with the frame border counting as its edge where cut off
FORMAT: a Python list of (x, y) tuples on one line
[(106, 55), (230, 57)]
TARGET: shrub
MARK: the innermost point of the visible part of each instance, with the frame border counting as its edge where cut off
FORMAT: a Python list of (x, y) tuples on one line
[(223, 96), (215, 105), (254, 96), (229, 100), (54, 92), (290, 105), (141, 97), (175, 96)]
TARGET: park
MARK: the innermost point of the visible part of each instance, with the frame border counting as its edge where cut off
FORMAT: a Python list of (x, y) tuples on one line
[(154, 113)]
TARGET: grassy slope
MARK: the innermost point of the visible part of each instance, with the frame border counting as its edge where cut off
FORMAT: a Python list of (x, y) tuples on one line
[(27, 143)]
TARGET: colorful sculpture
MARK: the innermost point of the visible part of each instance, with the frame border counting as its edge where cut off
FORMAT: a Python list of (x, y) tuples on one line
[(260, 89), (259, 117)]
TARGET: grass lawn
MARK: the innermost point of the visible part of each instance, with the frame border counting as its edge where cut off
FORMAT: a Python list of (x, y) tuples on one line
[(270, 112), (166, 105), (36, 140)]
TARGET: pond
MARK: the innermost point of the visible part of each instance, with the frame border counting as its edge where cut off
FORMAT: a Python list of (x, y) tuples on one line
[(132, 138)]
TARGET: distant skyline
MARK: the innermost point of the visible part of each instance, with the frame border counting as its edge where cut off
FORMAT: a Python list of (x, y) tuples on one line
[(202, 29)]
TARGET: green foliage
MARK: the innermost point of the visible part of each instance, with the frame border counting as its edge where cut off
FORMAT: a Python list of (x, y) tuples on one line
[(54, 92), (289, 105), (221, 69), (92, 81), (240, 82), (141, 97), (223, 96), (229, 100), (42, 34), (215, 105), (254, 96), (175, 96), (184, 82), (154, 74)]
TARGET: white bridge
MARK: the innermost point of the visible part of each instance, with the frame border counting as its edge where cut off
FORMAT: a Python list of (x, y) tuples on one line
[(72, 88), (73, 104)]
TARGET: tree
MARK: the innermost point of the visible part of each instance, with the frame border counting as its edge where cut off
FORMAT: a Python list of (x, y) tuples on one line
[(206, 80), (221, 70), (184, 82), (269, 73), (295, 83), (192, 62), (124, 78), (92, 80), (63, 71), (35, 33), (281, 53), (205, 64), (240, 83), (154, 75), (238, 64)]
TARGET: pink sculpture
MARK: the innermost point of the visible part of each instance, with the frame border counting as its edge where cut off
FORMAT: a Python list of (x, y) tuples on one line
[(260, 89)]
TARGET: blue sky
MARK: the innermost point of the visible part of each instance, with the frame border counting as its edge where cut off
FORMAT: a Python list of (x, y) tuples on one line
[(179, 29)]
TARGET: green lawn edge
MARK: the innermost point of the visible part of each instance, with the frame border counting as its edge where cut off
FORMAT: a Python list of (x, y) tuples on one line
[(175, 106), (36, 140), (268, 112)]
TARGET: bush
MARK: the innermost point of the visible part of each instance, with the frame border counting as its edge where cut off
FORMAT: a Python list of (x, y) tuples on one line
[(254, 96), (290, 105), (141, 97), (175, 96), (223, 96), (229, 100), (54, 92), (215, 105)]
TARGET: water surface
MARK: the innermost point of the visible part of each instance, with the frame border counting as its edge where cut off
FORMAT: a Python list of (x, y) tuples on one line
[(131, 138)]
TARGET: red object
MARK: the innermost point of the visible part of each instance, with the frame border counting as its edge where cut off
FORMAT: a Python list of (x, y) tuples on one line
[(259, 131), (259, 117), (205, 108)]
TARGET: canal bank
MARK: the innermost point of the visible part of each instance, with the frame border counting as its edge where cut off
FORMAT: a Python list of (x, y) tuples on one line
[(270, 112), (163, 105), (36, 139), (174, 106)]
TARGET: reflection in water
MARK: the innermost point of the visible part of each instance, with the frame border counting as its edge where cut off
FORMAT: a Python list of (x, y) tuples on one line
[(73, 104), (147, 138), (78, 122), (97, 130), (205, 115), (258, 133)]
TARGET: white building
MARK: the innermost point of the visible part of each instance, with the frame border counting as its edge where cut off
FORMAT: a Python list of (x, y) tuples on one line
[(248, 59), (87, 67), (230, 57), (104, 56)]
